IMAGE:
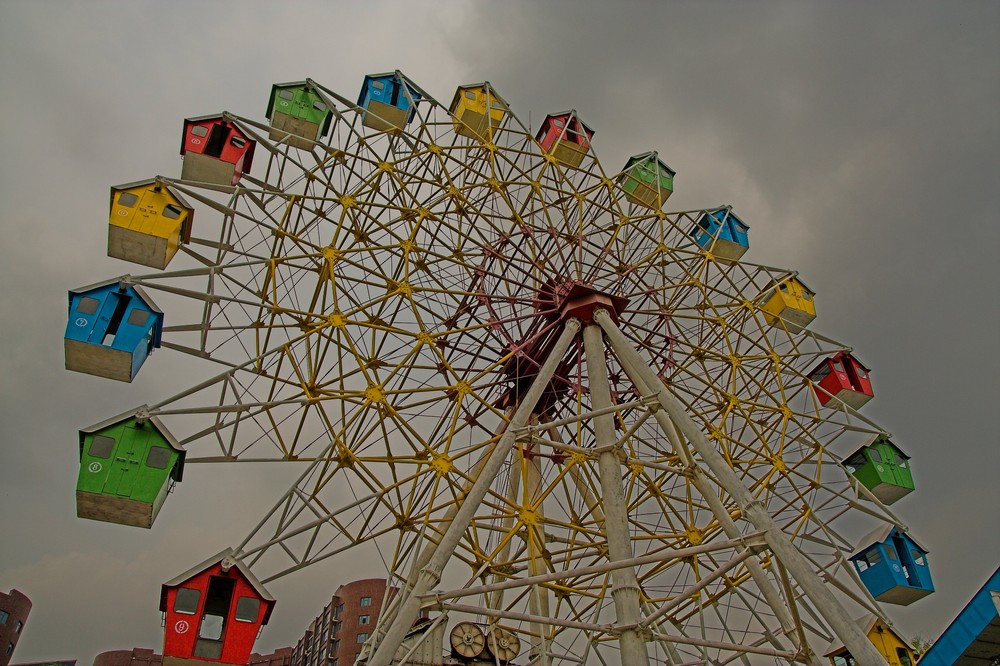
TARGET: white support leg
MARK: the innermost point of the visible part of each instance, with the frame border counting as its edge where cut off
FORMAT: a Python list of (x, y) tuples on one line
[(625, 587), (752, 509), (429, 576), (538, 596), (538, 599), (424, 554), (705, 488)]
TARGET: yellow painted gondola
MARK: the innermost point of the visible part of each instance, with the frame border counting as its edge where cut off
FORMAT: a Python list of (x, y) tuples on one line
[(792, 305), (477, 111), (896, 650), (148, 223)]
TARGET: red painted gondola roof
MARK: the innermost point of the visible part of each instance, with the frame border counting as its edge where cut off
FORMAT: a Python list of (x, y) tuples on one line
[(576, 116), (217, 116), (210, 562)]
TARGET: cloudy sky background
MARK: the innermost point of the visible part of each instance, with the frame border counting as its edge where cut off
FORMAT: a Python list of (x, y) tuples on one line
[(861, 142)]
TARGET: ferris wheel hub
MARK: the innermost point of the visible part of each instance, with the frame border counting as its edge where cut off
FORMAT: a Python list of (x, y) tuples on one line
[(568, 299), (582, 302)]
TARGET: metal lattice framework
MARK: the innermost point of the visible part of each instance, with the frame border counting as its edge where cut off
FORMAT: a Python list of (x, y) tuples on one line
[(406, 314)]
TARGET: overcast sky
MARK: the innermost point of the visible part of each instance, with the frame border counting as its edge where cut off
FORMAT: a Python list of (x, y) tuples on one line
[(860, 140)]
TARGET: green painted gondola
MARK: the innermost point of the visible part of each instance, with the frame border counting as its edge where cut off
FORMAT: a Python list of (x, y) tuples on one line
[(647, 180), (882, 468), (128, 464), (298, 113)]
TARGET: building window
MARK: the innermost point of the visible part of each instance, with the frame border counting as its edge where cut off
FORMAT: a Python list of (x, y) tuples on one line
[(3, 617), (10, 648), (17, 629), (362, 637), (364, 619), (366, 601)]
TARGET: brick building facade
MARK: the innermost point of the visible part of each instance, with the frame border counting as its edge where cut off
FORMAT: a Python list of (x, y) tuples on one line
[(14, 609), (336, 635), (134, 657), (146, 657)]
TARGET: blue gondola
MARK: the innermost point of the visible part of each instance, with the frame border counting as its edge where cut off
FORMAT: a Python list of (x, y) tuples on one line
[(112, 329), (893, 566), (386, 99), (722, 233)]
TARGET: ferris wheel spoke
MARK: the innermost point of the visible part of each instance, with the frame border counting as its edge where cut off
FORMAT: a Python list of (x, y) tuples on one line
[(309, 532)]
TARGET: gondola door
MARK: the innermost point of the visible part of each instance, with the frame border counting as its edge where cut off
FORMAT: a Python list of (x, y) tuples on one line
[(212, 630), (125, 467)]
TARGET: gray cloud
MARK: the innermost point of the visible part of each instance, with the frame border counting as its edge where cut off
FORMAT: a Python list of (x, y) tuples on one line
[(860, 141)]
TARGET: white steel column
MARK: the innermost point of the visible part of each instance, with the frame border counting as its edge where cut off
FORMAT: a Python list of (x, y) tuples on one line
[(590, 501), (430, 575), (424, 554), (625, 587), (538, 596), (506, 525), (538, 599), (705, 488), (751, 508)]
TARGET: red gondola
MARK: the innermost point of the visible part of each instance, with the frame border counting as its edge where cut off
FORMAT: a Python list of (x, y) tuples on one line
[(213, 613), (844, 378)]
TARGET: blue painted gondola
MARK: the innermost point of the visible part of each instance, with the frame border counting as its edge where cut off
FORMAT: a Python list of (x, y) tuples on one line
[(893, 566), (389, 101), (722, 233), (112, 328)]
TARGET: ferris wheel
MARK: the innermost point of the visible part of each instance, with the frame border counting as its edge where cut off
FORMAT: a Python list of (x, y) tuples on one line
[(576, 428)]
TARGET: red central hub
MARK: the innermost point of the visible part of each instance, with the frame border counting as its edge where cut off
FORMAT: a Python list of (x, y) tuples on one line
[(556, 301), (581, 301), (563, 300)]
